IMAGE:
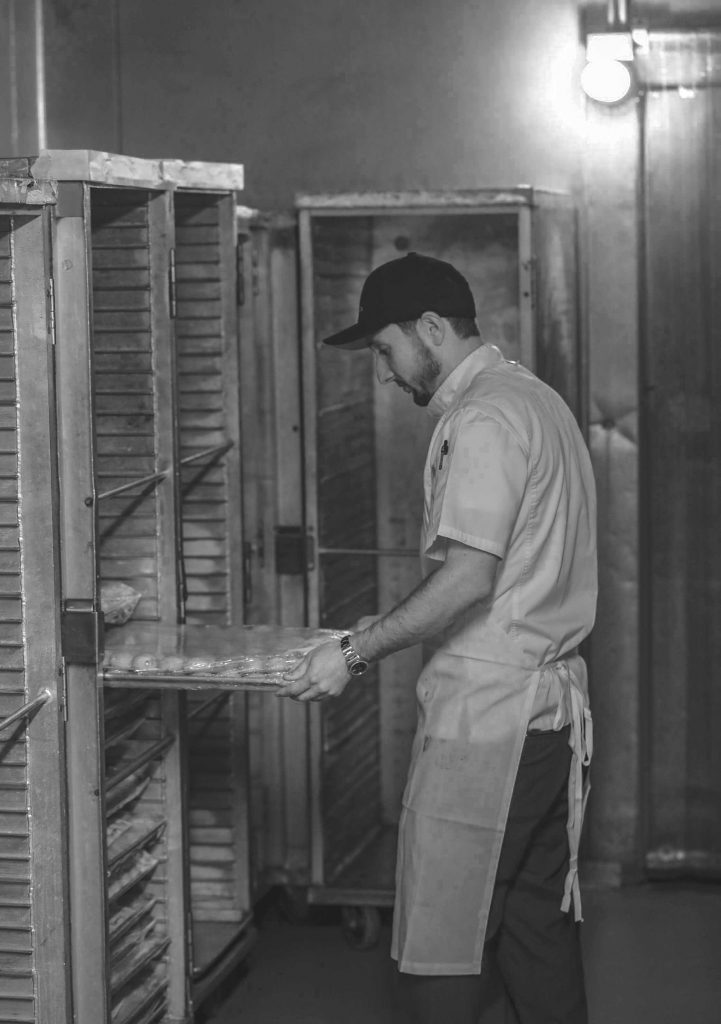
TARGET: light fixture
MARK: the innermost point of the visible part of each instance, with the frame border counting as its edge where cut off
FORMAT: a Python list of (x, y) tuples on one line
[(608, 74)]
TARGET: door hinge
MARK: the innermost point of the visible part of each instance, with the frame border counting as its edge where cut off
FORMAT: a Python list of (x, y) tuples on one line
[(240, 269), (294, 551), (530, 267), (62, 690), (172, 285), (51, 309), (248, 551), (252, 552), (256, 272)]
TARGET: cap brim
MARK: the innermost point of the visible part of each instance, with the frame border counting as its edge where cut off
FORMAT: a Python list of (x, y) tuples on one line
[(354, 337)]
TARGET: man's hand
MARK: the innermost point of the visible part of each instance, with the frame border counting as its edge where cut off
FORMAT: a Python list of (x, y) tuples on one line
[(322, 673)]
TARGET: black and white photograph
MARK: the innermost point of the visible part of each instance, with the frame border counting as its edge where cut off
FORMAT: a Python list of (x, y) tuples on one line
[(360, 512)]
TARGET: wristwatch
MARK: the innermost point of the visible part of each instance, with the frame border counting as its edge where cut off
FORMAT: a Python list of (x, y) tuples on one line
[(356, 665)]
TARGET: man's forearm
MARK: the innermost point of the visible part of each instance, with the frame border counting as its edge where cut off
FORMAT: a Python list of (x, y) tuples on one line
[(429, 609)]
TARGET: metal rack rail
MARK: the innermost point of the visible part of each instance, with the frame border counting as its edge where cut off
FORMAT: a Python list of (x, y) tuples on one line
[(212, 702), (153, 478), (26, 710), (133, 766), (176, 681), (207, 453)]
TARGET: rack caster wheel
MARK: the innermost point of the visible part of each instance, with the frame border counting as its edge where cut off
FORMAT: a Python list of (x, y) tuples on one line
[(361, 926)]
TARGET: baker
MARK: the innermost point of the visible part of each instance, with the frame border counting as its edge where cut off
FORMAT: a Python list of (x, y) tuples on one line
[(486, 882)]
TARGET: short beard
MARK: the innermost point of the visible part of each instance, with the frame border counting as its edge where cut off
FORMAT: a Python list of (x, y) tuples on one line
[(429, 370)]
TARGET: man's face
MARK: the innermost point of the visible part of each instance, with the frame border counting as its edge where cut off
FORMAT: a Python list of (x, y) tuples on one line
[(405, 360)]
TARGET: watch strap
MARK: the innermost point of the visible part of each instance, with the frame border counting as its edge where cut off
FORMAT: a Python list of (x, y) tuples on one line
[(355, 664)]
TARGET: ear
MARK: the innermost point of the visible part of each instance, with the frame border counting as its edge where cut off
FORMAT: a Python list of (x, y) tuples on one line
[(431, 328)]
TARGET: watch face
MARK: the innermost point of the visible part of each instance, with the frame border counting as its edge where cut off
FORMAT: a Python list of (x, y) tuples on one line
[(358, 668)]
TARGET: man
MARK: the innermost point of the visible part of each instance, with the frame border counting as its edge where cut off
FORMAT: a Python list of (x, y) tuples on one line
[(491, 817)]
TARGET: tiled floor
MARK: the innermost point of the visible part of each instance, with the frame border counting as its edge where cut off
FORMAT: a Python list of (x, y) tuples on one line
[(652, 953)]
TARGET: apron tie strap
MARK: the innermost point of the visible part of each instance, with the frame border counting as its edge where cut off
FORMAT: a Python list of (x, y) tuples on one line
[(581, 743)]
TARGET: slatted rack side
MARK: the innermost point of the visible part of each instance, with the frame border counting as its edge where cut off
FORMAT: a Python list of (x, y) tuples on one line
[(124, 390), (206, 353), (216, 806), (346, 496), (17, 987), (217, 889), (143, 877), (133, 424), (206, 334)]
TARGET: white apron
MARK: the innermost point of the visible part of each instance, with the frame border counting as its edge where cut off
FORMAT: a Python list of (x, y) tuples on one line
[(473, 719)]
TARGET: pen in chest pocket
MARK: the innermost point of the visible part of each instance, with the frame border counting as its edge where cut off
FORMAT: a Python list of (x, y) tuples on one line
[(444, 452)]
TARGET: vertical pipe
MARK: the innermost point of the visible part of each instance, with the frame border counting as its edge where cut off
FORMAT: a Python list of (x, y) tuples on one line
[(40, 75), (618, 13), (309, 411), (643, 523), (13, 76), (117, 77), (526, 298)]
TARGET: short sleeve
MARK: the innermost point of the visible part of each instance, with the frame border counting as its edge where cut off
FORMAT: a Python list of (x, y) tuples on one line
[(478, 480)]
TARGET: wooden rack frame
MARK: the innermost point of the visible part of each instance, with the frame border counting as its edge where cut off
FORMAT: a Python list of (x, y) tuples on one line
[(35, 984), (75, 314), (27, 710)]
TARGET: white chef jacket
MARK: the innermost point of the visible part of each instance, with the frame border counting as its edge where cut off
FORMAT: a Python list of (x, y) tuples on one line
[(516, 480)]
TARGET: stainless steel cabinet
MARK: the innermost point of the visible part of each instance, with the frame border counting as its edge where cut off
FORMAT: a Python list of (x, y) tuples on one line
[(364, 454)]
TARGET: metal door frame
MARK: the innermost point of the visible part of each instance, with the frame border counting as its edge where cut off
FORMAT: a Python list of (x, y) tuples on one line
[(79, 545), (700, 73), (73, 374)]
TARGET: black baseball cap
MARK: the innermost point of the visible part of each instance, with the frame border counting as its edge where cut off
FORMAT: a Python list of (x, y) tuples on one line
[(403, 289)]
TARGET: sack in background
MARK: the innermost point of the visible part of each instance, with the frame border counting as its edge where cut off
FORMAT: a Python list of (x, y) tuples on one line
[(118, 601)]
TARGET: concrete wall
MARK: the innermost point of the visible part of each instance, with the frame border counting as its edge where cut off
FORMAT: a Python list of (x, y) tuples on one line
[(330, 96), (81, 69), (333, 95)]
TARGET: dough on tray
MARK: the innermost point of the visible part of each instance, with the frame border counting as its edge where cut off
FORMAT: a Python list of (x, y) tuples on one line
[(278, 664), (120, 660), (256, 653), (199, 665), (172, 663), (145, 663)]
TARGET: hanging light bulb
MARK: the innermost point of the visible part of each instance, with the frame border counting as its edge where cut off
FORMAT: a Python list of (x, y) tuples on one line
[(606, 81), (607, 76)]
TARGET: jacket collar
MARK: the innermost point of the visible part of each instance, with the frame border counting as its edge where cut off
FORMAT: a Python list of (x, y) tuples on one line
[(459, 378)]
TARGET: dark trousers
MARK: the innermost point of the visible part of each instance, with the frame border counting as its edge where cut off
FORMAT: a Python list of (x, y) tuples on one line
[(532, 970)]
